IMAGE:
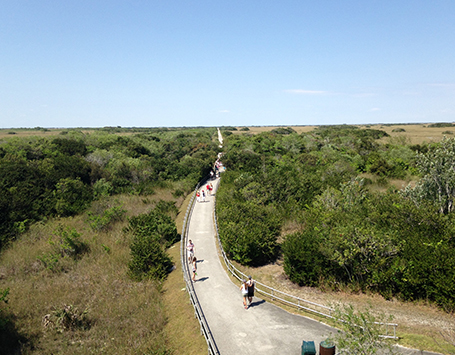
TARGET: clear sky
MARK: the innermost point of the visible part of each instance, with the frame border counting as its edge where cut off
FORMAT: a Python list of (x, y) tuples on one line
[(165, 63)]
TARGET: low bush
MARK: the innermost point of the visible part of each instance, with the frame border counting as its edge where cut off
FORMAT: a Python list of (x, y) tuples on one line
[(151, 234), (68, 243), (440, 125), (65, 318), (103, 221)]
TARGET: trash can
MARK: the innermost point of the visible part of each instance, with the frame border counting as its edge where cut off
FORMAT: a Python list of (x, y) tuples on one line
[(308, 348), (326, 347)]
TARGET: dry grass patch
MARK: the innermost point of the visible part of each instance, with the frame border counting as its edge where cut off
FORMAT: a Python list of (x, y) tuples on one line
[(123, 316)]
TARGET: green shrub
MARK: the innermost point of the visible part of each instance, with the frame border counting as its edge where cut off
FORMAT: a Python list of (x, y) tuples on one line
[(283, 130), (148, 258), (68, 243), (103, 221), (102, 188), (362, 332), (228, 128), (50, 261), (249, 232), (151, 234), (303, 261), (72, 196), (154, 223), (440, 125)]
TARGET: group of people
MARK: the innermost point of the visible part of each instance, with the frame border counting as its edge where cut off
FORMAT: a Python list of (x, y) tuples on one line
[(247, 289), (218, 168), (192, 259), (201, 195), (247, 286)]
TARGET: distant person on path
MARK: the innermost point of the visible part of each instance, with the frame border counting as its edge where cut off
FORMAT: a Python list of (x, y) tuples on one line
[(198, 197), (251, 283), (211, 174), (244, 290), (194, 269), (211, 188), (190, 248), (203, 196)]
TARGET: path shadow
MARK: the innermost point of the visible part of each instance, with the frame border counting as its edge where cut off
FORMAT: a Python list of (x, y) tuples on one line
[(202, 279), (200, 261), (256, 303)]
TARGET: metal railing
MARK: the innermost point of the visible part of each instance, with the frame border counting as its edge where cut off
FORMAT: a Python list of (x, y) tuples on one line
[(291, 300), (199, 314)]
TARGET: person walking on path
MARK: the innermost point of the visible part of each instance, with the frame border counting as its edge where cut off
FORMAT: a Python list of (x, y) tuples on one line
[(244, 290), (203, 196), (190, 248), (194, 269), (251, 283), (198, 197)]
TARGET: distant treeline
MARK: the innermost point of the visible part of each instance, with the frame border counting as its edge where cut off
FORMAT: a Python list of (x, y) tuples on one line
[(324, 202), (60, 175)]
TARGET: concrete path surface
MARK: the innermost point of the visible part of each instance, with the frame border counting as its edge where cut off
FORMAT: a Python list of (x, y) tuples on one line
[(262, 329)]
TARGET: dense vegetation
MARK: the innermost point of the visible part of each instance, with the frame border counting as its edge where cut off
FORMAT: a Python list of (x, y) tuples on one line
[(323, 200), (60, 176), (72, 247)]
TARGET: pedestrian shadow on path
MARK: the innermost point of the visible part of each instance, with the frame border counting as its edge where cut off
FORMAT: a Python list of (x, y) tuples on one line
[(256, 303), (202, 279)]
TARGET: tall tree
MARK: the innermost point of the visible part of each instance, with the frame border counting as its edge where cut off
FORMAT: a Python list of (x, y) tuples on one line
[(438, 182)]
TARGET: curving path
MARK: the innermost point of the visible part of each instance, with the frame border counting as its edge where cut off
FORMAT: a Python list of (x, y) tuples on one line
[(262, 329)]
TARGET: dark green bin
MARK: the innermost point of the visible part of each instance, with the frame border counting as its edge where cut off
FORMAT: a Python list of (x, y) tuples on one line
[(308, 348), (326, 347)]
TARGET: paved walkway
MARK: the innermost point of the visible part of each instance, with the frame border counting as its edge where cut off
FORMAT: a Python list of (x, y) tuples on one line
[(262, 329)]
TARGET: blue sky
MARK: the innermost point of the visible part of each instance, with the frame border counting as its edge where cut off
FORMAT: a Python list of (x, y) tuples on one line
[(212, 63)]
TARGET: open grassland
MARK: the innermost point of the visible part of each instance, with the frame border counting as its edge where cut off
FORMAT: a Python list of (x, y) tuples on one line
[(407, 133), (112, 314), (23, 132)]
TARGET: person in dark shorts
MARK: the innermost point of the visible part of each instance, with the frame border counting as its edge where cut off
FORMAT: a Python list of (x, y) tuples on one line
[(244, 290), (194, 269), (251, 283)]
